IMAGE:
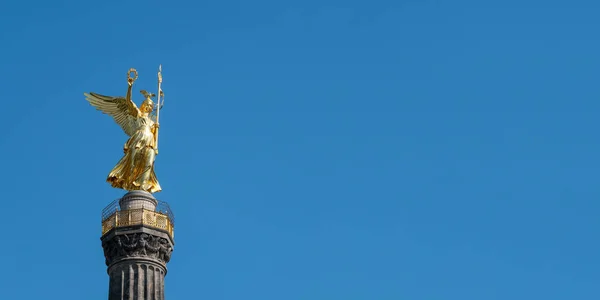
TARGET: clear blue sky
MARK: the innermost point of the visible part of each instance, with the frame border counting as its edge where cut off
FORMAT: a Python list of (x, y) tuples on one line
[(352, 150)]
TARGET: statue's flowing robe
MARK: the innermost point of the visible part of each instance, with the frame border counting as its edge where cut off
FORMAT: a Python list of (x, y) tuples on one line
[(135, 170)]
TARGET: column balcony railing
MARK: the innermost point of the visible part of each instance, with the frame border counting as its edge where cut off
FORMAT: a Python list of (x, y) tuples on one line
[(113, 217)]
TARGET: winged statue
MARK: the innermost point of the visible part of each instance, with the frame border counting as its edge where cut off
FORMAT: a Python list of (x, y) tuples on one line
[(135, 170)]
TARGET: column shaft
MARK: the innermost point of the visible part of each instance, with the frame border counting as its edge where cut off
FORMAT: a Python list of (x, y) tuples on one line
[(136, 281)]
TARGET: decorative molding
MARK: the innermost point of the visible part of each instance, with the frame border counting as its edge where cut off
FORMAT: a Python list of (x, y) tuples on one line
[(138, 216), (137, 245)]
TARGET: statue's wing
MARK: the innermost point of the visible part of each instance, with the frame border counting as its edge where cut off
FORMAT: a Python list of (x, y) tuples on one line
[(122, 110)]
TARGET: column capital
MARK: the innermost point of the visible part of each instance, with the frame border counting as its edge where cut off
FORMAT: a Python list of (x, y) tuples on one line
[(142, 245)]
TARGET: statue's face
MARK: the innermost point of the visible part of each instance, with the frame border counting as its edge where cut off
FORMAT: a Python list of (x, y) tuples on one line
[(147, 107)]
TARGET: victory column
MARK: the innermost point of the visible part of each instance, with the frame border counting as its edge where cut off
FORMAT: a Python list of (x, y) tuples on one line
[(137, 229)]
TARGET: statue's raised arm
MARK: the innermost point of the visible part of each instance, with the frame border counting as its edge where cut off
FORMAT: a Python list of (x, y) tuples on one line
[(135, 171), (122, 109)]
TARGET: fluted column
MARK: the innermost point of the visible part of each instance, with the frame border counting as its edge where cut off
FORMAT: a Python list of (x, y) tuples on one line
[(133, 281), (137, 253)]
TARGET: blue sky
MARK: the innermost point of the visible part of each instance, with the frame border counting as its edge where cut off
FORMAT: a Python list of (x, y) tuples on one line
[(356, 150)]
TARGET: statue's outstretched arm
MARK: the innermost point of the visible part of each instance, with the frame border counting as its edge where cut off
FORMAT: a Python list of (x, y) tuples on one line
[(129, 87)]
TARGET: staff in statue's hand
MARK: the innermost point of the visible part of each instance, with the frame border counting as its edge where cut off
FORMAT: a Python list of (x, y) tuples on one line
[(158, 104)]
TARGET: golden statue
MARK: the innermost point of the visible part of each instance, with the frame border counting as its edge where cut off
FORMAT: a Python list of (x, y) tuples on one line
[(135, 170)]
